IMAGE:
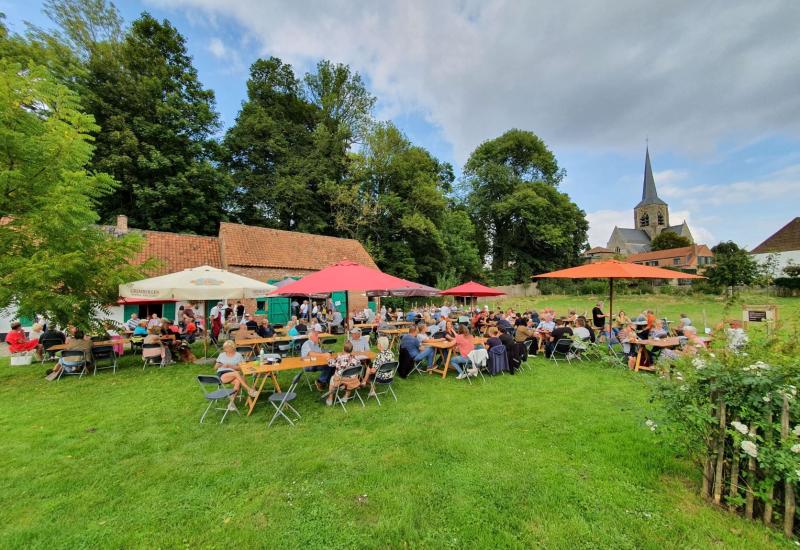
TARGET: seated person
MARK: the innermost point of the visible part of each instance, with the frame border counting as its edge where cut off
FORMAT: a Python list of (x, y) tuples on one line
[(337, 319), (229, 369), (250, 322), (546, 325), (581, 330), (154, 337), (36, 332), (154, 321), (460, 360), (589, 327), (189, 328), (608, 335), (301, 327), (413, 346), (658, 330), (340, 363), (265, 330), (422, 332), (132, 323), (312, 349), (52, 337), (385, 355), (360, 343), (561, 332), (141, 329), (493, 334), (522, 331), (683, 323), (505, 337), (78, 341), (17, 341), (291, 327)]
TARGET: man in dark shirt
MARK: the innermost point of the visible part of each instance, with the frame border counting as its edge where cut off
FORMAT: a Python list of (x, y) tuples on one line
[(505, 337), (250, 322), (265, 330), (598, 317), (560, 332), (411, 344)]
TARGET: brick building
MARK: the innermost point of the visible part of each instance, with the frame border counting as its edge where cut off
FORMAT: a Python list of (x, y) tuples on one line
[(695, 258)]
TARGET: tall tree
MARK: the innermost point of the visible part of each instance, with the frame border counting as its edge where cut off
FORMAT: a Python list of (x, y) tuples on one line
[(524, 224), (283, 159), (157, 121), (394, 201), (733, 266), (55, 261), (344, 100)]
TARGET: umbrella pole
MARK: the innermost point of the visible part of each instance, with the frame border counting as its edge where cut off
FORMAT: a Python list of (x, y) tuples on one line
[(610, 310), (206, 329)]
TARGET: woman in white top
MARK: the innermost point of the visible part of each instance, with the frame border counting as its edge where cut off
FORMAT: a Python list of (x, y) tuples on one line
[(229, 370)]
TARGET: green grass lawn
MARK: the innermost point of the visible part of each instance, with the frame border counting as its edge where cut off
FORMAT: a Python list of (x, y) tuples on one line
[(556, 457)]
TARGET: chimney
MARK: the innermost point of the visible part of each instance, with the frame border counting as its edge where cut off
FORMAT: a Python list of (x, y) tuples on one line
[(122, 224)]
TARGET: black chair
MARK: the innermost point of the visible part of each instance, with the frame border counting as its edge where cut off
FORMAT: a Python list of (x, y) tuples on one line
[(246, 351), (214, 391), (48, 343), (351, 372), (384, 376), (283, 400), (104, 353), (73, 362)]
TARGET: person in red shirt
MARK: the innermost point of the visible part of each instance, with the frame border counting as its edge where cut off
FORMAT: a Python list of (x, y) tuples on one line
[(17, 341)]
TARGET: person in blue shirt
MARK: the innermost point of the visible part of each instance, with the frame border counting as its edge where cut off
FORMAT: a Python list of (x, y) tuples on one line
[(412, 345), (141, 329)]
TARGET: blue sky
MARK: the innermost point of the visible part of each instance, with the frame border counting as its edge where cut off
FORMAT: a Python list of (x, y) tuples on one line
[(713, 87)]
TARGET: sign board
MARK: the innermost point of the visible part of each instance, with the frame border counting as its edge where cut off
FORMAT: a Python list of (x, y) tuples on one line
[(760, 314)]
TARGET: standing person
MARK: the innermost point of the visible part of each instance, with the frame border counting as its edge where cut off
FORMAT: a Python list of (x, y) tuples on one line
[(239, 311), (598, 317), (216, 321)]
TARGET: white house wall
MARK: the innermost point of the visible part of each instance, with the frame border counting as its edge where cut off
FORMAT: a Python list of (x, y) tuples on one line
[(783, 260)]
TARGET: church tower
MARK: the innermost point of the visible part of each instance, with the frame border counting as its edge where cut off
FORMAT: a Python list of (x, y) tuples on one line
[(651, 215)]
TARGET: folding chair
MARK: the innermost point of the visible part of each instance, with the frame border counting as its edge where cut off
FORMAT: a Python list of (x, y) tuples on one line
[(389, 370), (102, 353), (327, 341), (284, 350), (352, 372), (218, 393), (297, 345), (73, 362), (281, 400), (579, 348), (151, 355), (136, 344), (49, 355), (563, 348)]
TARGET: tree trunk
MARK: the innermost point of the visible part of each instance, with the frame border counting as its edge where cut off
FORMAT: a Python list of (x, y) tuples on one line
[(788, 488), (707, 473), (719, 480), (770, 489), (751, 480)]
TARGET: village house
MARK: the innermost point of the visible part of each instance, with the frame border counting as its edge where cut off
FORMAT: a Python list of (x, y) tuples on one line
[(783, 246)]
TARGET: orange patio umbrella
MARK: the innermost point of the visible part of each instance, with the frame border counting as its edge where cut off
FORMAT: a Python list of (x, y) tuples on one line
[(615, 269)]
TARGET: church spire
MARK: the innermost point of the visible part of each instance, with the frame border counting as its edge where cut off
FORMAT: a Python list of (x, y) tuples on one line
[(649, 195)]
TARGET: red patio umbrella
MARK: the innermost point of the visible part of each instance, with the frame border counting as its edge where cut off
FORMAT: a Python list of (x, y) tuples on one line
[(472, 290), (615, 269), (345, 275)]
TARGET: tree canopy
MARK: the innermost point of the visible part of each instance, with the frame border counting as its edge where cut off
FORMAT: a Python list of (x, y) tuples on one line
[(524, 224), (55, 261), (667, 240), (733, 266)]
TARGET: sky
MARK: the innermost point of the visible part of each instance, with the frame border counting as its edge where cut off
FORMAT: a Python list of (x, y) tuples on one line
[(710, 86)]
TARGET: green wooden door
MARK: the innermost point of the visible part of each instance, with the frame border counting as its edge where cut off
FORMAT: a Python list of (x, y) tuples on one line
[(372, 305), (129, 309), (168, 311), (278, 310), (340, 298), (25, 320)]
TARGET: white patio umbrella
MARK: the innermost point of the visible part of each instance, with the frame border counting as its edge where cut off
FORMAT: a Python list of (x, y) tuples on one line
[(200, 284)]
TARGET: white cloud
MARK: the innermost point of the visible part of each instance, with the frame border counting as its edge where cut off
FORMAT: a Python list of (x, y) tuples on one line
[(602, 222), (601, 74), (781, 184), (217, 48), (669, 176)]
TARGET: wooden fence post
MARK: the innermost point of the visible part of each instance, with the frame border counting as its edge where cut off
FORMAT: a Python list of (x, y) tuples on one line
[(788, 486)]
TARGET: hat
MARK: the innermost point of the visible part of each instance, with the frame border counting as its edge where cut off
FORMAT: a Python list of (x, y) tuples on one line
[(247, 315), (316, 327)]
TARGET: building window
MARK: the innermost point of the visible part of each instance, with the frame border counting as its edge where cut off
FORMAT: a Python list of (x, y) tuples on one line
[(660, 218), (644, 221), (676, 261), (617, 250)]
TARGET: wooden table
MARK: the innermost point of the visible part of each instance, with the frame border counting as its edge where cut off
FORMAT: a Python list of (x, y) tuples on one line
[(401, 323), (264, 372), (62, 347), (441, 344), (253, 342)]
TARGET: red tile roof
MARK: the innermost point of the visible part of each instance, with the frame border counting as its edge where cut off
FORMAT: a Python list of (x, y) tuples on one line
[(177, 252), (684, 251), (785, 239), (250, 246), (599, 250)]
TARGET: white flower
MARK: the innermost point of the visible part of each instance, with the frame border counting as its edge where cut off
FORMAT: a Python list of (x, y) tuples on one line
[(796, 448), (766, 398), (650, 424), (741, 428), (678, 376), (750, 448), (698, 363), (711, 355), (796, 430)]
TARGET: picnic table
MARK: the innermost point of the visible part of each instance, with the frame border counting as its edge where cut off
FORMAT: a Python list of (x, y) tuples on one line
[(253, 342), (62, 347), (442, 344), (268, 370)]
